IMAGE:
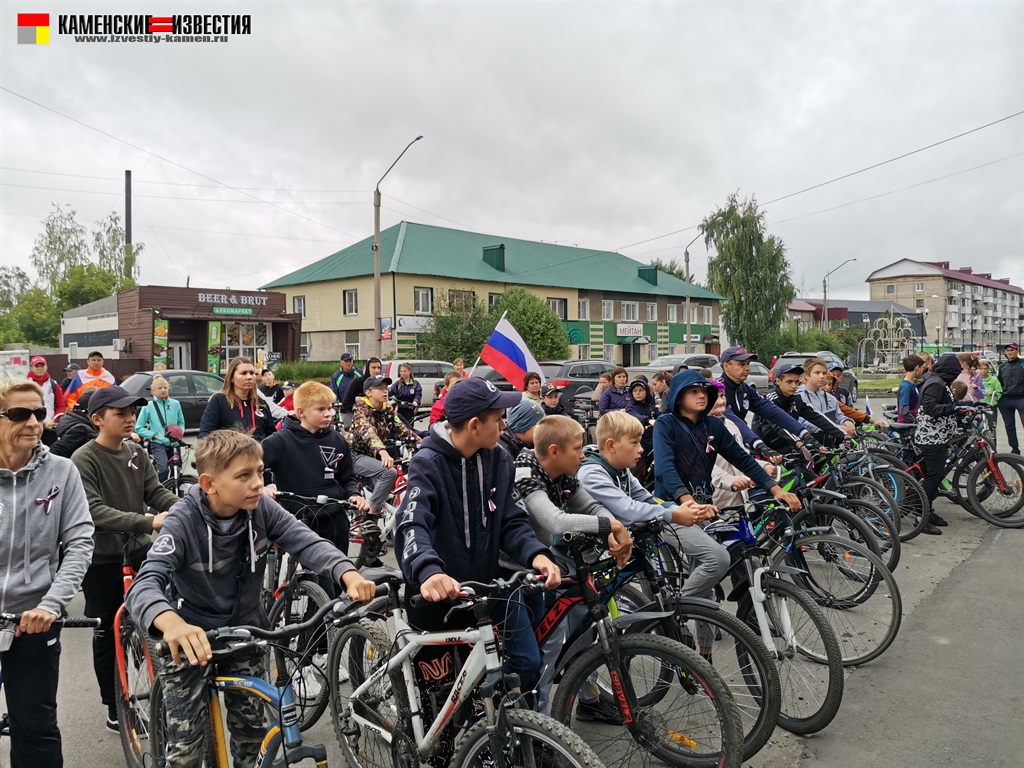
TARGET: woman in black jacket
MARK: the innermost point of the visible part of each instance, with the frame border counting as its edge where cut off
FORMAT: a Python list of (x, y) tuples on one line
[(238, 402)]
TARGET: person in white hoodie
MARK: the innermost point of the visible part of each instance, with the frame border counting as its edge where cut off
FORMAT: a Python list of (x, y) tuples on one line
[(45, 521)]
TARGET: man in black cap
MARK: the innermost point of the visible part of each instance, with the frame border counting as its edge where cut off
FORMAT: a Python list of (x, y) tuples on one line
[(69, 374), (121, 486), (1011, 404), (344, 376), (742, 398)]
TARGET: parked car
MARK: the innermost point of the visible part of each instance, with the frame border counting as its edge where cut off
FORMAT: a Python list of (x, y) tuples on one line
[(429, 373), (797, 358), (571, 376), (690, 360), (758, 377), (192, 389)]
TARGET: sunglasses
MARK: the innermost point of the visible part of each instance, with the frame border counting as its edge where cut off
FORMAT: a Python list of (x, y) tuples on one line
[(19, 415)]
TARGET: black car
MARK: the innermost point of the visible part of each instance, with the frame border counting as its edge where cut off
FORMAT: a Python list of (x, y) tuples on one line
[(192, 389), (571, 376)]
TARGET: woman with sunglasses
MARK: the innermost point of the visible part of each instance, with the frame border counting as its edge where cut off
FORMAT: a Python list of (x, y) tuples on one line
[(46, 519)]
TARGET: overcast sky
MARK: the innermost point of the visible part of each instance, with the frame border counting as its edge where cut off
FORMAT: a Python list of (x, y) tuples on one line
[(597, 124)]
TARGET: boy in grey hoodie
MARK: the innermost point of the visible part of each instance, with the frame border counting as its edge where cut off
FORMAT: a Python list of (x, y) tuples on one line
[(211, 552), (47, 529)]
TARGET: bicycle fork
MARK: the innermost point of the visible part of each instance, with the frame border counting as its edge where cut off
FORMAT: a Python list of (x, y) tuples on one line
[(759, 597)]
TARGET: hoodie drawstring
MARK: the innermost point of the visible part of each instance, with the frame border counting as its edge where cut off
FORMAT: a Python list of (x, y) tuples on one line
[(465, 503), (483, 497), (209, 545), (252, 548)]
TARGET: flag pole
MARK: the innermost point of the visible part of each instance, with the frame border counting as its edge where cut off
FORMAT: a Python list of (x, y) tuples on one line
[(478, 356)]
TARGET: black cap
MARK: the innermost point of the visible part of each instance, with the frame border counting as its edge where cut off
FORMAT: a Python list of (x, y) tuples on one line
[(375, 381), (783, 368), (113, 397), (72, 367), (473, 396), (549, 389)]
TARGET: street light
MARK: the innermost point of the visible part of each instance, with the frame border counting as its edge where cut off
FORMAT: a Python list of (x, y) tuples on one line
[(376, 252), (824, 294), (937, 327), (686, 305)]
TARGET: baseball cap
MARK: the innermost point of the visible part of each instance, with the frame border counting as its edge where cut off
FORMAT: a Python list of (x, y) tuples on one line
[(737, 353), (72, 367), (376, 381), (834, 366), (1011, 345), (549, 389), (523, 415), (346, 356), (113, 397), (783, 368), (37, 360), (473, 396), (287, 385)]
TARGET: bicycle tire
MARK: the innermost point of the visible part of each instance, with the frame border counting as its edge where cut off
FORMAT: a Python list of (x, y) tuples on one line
[(843, 522), (371, 543), (871, 490), (860, 598), (810, 672), (999, 508), (882, 536), (914, 505), (546, 742), (747, 669), (311, 695), (711, 738), (133, 685), (961, 474)]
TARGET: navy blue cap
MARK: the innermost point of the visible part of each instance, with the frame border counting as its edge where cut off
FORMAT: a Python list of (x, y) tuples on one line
[(473, 396), (346, 356), (783, 368), (737, 353)]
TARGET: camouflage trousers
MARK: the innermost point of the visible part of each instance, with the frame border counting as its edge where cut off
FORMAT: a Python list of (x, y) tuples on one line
[(185, 695)]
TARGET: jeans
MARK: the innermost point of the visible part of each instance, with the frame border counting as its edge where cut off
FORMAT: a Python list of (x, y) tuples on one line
[(370, 469), (161, 454), (30, 671), (933, 462), (1010, 408)]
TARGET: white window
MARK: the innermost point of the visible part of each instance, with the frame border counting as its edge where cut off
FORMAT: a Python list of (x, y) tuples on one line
[(303, 346), (352, 349), (584, 312), (423, 301), (630, 311), (890, 288), (558, 307), (609, 353), (583, 352), (652, 313), (919, 287), (299, 306), (351, 303), (707, 315), (673, 311), (607, 310), (693, 315)]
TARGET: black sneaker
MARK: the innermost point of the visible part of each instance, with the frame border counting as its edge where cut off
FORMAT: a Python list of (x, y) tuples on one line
[(598, 712), (112, 725), (936, 520), (1015, 451), (931, 530)]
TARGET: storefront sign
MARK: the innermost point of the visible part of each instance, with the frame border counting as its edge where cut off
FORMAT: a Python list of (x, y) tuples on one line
[(623, 329), (232, 299), (385, 329), (160, 344), (231, 311), (215, 347)]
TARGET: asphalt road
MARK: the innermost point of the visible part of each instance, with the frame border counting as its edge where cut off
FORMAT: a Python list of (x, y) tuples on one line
[(947, 693)]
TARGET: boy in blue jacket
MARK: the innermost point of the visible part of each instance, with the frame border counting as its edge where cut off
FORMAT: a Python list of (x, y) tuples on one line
[(458, 514), (687, 442)]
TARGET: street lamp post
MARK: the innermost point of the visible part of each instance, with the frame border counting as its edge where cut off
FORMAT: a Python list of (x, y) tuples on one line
[(376, 252), (824, 294), (937, 340), (686, 305)]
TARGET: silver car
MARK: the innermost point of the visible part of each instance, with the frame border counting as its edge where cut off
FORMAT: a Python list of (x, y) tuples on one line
[(427, 372), (758, 377)]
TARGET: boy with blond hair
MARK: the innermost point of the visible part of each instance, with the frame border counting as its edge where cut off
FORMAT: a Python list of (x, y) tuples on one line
[(211, 553), (814, 393)]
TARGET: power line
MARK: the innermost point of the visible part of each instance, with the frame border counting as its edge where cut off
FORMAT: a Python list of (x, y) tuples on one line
[(189, 199), (840, 178), (171, 162), (161, 242)]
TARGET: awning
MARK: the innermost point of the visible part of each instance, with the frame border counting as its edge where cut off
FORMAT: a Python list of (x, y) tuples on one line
[(636, 340)]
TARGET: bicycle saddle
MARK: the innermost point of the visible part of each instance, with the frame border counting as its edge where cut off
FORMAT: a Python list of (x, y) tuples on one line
[(383, 575), (898, 427)]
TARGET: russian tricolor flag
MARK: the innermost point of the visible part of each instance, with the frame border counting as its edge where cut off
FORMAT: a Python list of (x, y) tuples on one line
[(507, 353)]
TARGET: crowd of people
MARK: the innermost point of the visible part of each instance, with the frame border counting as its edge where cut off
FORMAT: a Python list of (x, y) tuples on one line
[(494, 483)]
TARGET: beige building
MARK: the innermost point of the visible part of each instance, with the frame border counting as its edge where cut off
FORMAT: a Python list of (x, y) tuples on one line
[(964, 309)]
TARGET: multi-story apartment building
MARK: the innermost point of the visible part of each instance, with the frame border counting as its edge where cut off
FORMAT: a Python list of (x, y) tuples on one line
[(962, 309), (611, 306)]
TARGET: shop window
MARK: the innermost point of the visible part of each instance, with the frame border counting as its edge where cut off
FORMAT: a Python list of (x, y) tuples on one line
[(423, 301), (299, 306), (630, 311), (243, 340), (584, 309), (351, 302), (558, 307)]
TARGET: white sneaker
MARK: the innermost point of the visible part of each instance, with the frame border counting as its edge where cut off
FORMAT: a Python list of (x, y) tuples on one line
[(307, 682), (320, 660)]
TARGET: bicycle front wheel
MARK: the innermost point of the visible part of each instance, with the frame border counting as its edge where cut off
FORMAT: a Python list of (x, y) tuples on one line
[(996, 491), (810, 661), (133, 684), (539, 741), (684, 717)]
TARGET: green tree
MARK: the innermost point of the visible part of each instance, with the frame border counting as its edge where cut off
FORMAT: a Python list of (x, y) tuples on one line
[(84, 283), (750, 269), (61, 246), (108, 245), (672, 267), (540, 328), (458, 329), (38, 317), (13, 282)]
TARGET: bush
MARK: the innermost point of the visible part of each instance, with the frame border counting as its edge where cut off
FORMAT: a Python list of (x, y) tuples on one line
[(298, 371)]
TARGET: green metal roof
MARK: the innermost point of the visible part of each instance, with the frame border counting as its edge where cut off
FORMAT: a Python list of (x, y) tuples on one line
[(420, 249)]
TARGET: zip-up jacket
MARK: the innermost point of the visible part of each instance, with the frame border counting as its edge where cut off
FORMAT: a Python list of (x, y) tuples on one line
[(156, 416), (642, 411), (406, 394), (993, 390), (619, 492), (458, 514), (340, 382), (741, 399), (73, 431), (310, 463), (512, 445), (798, 408), (614, 399), (1011, 376), (45, 534), (935, 420), (373, 428), (220, 415), (354, 391), (53, 395), (217, 572), (824, 403), (685, 451)]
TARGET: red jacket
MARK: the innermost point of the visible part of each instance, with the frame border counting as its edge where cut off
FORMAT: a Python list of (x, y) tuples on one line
[(437, 409)]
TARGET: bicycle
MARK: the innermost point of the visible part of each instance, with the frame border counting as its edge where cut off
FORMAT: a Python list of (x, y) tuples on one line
[(379, 718), (371, 532), (177, 481), (283, 734)]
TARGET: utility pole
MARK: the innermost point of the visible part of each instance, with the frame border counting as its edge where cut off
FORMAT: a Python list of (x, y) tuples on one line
[(824, 294), (129, 254), (689, 279)]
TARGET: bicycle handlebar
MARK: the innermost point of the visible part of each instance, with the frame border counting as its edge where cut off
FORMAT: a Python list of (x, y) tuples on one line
[(474, 589), (321, 499), (71, 622)]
